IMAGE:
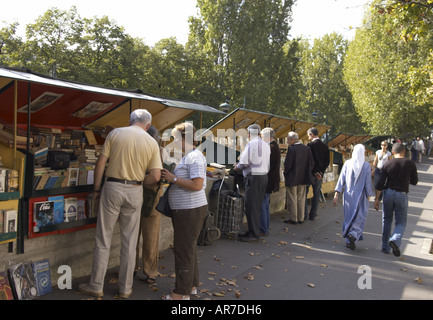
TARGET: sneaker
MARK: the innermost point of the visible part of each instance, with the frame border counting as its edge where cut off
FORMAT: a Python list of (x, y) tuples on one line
[(84, 288), (395, 249)]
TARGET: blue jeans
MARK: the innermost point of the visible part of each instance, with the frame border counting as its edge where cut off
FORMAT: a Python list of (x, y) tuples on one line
[(394, 202), (265, 214)]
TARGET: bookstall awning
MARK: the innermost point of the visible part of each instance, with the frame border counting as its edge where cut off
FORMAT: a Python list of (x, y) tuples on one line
[(345, 140), (242, 118), (55, 102)]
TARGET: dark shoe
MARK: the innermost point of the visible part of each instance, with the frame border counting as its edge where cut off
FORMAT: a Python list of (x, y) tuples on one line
[(351, 245), (249, 239), (395, 249), (290, 221)]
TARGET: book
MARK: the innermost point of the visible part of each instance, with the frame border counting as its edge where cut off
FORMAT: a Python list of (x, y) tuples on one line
[(2, 228), (90, 176), (5, 287), (3, 180), (70, 209), (81, 209), (22, 281), (58, 209), (42, 182), (43, 214), (41, 271), (82, 177), (73, 176), (59, 181), (10, 220), (51, 181)]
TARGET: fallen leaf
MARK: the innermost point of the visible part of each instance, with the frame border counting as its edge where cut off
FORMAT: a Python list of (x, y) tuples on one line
[(237, 294), (282, 243), (311, 285), (219, 294), (418, 280), (299, 257), (404, 269), (211, 273), (324, 266), (250, 277), (267, 285)]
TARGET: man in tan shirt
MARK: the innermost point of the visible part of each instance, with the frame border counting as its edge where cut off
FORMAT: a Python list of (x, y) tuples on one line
[(130, 152)]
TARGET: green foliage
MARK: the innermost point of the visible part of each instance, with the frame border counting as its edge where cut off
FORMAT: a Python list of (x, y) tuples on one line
[(381, 70)]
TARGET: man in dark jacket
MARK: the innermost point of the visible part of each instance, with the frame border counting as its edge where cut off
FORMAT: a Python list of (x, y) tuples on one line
[(298, 168), (394, 182), (268, 135), (320, 153)]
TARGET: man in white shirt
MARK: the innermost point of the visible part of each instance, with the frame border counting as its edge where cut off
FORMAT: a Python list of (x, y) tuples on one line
[(254, 163)]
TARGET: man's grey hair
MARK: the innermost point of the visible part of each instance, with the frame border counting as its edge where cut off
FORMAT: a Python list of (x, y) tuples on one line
[(293, 135), (254, 130), (140, 116), (268, 134)]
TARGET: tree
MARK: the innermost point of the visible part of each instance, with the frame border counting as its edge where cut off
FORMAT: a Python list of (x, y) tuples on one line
[(377, 70), (245, 40), (325, 97)]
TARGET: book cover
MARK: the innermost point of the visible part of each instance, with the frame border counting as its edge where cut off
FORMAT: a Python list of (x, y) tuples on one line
[(22, 281), (58, 209), (70, 209), (43, 214), (42, 273), (81, 209), (73, 177), (2, 180), (2, 225), (42, 181), (10, 220), (5, 287), (50, 182), (82, 177), (59, 182)]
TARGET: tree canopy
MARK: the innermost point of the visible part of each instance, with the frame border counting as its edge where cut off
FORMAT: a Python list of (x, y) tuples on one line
[(239, 51)]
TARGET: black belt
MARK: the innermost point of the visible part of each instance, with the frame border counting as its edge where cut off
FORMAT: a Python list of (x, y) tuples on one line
[(125, 181)]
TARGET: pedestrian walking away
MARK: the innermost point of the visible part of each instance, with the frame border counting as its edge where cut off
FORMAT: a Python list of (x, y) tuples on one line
[(131, 152), (394, 182), (356, 185), (320, 152), (381, 157)]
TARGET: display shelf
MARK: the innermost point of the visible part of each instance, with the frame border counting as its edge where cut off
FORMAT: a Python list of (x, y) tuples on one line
[(4, 196), (60, 228), (7, 237)]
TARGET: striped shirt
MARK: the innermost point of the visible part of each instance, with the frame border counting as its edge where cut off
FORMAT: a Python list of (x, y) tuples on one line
[(193, 165)]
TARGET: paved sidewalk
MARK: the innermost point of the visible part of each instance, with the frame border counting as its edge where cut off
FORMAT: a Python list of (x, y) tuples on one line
[(308, 261)]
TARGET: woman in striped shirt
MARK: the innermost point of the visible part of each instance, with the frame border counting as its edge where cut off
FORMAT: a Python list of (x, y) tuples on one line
[(188, 202)]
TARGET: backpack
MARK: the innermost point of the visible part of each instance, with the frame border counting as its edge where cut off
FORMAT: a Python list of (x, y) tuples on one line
[(209, 232)]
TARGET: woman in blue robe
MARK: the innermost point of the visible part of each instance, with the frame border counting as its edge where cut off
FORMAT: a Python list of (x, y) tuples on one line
[(355, 179)]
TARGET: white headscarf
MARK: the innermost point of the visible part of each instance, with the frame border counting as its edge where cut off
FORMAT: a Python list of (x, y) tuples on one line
[(355, 164)]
